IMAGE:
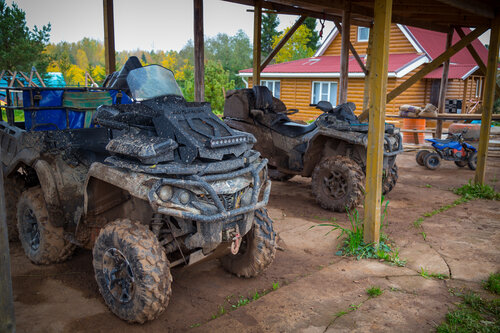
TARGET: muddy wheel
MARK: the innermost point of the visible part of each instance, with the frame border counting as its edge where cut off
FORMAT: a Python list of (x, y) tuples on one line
[(460, 164), (338, 183), (13, 187), (432, 161), (421, 156), (390, 180), (274, 174), (472, 161), (257, 249), (42, 242), (132, 271)]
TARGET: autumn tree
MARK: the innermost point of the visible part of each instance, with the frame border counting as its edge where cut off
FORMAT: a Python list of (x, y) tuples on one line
[(296, 47), (270, 24), (20, 47), (313, 43)]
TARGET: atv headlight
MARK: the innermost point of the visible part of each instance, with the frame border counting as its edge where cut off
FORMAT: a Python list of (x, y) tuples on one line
[(165, 193)]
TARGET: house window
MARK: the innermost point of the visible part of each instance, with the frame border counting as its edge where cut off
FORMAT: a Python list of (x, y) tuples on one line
[(324, 91), (273, 86), (363, 34)]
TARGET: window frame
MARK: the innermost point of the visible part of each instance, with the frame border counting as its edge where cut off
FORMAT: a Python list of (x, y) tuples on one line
[(274, 87), (334, 104), (367, 37)]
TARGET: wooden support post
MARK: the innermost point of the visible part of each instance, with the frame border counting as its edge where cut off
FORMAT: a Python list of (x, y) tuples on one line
[(436, 62), (366, 93), (199, 52), (488, 99), (109, 37), (257, 33), (352, 49), (282, 42), (344, 52), (7, 318), (376, 128), (444, 86), (477, 58)]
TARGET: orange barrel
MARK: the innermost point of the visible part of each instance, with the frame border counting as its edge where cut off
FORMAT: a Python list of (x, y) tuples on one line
[(413, 124)]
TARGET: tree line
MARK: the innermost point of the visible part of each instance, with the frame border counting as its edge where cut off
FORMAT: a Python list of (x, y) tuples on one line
[(225, 55)]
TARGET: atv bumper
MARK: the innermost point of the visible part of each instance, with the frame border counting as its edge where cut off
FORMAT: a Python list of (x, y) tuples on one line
[(220, 213)]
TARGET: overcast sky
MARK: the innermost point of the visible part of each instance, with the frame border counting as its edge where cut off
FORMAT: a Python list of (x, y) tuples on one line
[(145, 24)]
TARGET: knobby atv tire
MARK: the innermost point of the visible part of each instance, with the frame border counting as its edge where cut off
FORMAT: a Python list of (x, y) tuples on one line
[(354, 179), (389, 181), (432, 161), (472, 162), (421, 157), (53, 248), (13, 187), (148, 263), (460, 164), (279, 176), (257, 250)]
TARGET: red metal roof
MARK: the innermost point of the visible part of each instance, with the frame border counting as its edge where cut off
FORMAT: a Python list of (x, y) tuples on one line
[(434, 44), (455, 72), (331, 64)]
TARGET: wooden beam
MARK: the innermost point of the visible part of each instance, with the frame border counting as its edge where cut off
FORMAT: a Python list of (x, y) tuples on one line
[(40, 78), (352, 49), (344, 53), (7, 318), (282, 42), (477, 58), (376, 126), (476, 7), (444, 86), (109, 37), (199, 52), (436, 62), (488, 99), (366, 93), (257, 33)]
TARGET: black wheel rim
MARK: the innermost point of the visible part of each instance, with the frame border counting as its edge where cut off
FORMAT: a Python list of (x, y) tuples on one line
[(31, 229), (433, 161), (335, 184), (118, 274)]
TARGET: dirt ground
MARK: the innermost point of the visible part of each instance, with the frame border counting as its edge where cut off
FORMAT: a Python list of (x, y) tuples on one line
[(314, 284)]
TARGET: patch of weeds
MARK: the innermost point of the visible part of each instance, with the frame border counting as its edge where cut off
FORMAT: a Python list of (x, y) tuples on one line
[(493, 283), (477, 191), (195, 325), (474, 314), (418, 222), (428, 185), (220, 312), (276, 286), (428, 275), (424, 273), (374, 292), (424, 235), (341, 313), (354, 245), (241, 302)]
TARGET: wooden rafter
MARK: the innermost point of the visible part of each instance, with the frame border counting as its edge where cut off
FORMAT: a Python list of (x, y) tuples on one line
[(475, 7), (352, 49)]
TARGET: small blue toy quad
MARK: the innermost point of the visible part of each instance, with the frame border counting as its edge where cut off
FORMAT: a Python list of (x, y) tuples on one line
[(454, 148)]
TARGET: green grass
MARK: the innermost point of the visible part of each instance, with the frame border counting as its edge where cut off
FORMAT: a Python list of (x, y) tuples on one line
[(477, 191), (418, 222), (474, 314), (353, 243), (493, 283), (428, 275), (374, 292)]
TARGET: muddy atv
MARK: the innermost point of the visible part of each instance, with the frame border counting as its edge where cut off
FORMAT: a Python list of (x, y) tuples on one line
[(331, 150), (147, 182)]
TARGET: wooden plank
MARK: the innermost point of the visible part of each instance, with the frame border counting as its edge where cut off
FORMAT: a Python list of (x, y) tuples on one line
[(40, 79), (109, 37), (477, 58), (199, 52), (7, 318), (282, 42), (344, 53), (257, 33), (375, 146), (488, 99), (436, 62), (366, 93), (29, 79), (444, 85)]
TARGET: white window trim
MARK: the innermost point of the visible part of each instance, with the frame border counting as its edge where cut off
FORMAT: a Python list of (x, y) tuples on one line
[(363, 40), (274, 85), (329, 83)]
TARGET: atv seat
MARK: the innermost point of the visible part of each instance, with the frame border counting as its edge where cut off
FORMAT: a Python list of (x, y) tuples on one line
[(292, 129), (441, 141)]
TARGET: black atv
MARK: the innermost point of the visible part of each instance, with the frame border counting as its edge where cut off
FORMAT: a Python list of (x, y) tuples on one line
[(149, 185), (332, 149)]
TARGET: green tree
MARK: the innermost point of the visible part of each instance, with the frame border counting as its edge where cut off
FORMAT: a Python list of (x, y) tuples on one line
[(313, 43), (20, 47), (217, 82), (270, 24), (296, 47)]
